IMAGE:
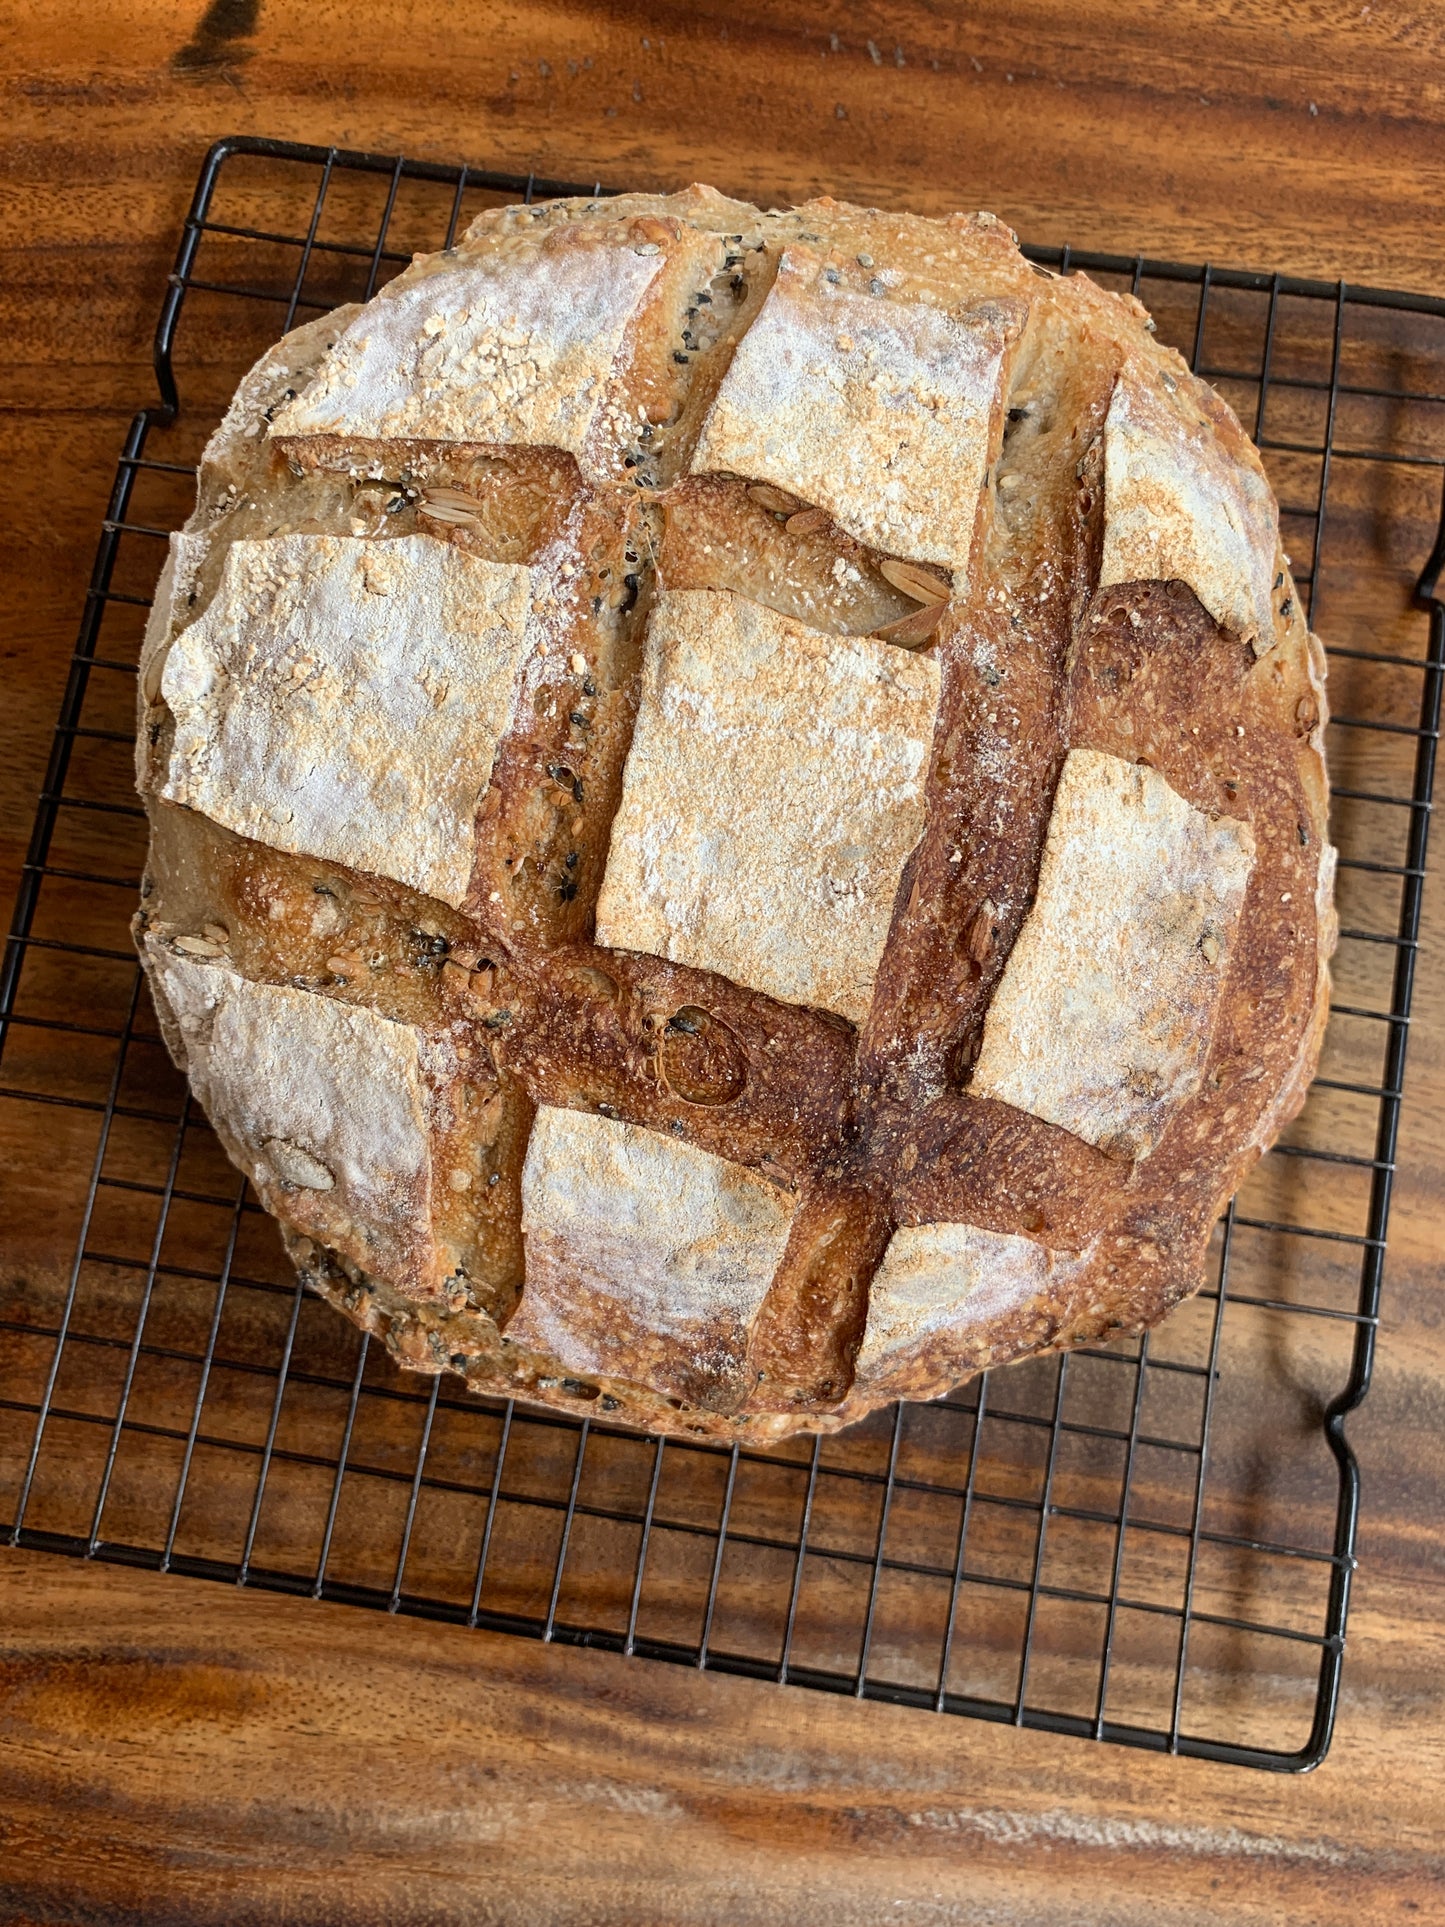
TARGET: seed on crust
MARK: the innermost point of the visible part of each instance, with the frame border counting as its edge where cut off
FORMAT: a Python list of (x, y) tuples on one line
[(914, 629), (921, 584), (452, 505), (775, 499), (806, 521), (151, 679), (979, 938)]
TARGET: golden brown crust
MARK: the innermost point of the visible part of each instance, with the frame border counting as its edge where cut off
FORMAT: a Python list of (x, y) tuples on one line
[(860, 1132)]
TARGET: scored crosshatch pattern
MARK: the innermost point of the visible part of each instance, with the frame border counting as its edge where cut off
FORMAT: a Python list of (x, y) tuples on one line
[(1148, 1542)]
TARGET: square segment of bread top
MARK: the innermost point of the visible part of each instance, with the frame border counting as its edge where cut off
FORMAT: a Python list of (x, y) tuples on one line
[(942, 1286), (1181, 506), (882, 412), (774, 790), (645, 1255), (515, 347), (322, 1104), (1104, 1016), (344, 698)]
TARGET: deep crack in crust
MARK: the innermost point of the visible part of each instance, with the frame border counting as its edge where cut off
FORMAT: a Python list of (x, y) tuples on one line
[(853, 1133)]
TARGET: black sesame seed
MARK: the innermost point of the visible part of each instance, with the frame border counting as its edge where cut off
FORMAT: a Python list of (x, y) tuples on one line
[(678, 355), (459, 1361), (571, 860), (1286, 605), (704, 297), (578, 720), (589, 688), (567, 890)]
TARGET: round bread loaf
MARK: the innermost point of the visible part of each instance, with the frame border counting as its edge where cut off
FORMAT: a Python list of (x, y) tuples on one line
[(738, 809)]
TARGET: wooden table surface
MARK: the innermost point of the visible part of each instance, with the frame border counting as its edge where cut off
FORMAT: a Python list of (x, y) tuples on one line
[(171, 1751)]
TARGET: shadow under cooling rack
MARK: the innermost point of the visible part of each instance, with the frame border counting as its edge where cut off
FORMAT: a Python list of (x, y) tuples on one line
[(1145, 1542)]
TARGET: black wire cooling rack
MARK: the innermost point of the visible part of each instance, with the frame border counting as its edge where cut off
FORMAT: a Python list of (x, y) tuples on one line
[(1149, 1542)]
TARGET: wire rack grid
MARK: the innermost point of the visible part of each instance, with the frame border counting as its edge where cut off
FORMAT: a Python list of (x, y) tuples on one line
[(1149, 1542)]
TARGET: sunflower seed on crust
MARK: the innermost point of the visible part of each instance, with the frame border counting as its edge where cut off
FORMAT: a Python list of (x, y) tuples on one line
[(921, 584), (154, 670), (775, 499), (458, 518), (914, 629), (806, 520)]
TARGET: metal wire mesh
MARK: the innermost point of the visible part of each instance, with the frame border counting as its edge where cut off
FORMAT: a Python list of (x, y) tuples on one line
[(1147, 1542)]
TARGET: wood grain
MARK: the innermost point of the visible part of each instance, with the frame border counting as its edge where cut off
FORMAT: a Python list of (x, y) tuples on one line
[(179, 1753), (175, 1752)]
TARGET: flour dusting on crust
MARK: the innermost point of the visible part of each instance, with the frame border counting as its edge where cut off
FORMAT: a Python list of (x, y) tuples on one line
[(937, 1292), (774, 790), (322, 1105), (882, 412), (344, 698), (511, 351), (644, 1253), (1104, 1016), (1179, 507)]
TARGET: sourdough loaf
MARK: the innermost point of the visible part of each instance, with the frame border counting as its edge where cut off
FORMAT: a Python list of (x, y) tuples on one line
[(738, 809)]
